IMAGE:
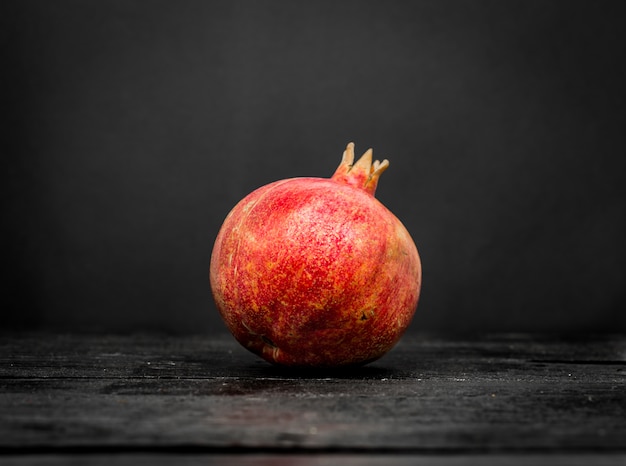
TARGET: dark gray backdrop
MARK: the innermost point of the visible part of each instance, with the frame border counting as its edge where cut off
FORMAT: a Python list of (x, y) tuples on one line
[(132, 127)]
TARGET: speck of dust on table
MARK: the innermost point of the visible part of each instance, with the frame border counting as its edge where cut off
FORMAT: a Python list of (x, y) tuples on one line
[(497, 399)]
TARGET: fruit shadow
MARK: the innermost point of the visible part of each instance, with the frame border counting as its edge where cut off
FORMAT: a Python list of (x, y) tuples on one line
[(362, 372), (261, 378)]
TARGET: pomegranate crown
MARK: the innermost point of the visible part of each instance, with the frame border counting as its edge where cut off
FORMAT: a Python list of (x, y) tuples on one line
[(363, 174)]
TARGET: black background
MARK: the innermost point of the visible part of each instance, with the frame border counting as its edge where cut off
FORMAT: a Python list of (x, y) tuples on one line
[(131, 128)]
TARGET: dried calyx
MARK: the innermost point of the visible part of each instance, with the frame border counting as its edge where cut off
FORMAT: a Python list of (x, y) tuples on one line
[(363, 174)]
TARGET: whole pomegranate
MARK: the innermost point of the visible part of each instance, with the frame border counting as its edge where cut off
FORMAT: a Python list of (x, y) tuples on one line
[(317, 272)]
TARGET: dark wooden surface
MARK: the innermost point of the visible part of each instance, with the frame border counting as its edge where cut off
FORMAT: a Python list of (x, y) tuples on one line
[(148, 399)]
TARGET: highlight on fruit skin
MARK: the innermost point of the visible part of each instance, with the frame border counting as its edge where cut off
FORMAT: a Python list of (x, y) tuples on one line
[(316, 272)]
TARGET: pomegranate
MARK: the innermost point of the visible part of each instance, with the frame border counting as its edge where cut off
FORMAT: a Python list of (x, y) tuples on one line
[(316, 272)]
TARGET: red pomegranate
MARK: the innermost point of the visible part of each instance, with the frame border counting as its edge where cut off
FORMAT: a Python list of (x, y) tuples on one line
[(316, 272)]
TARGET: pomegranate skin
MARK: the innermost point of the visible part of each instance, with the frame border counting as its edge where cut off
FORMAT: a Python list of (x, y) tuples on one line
[(315, 272)]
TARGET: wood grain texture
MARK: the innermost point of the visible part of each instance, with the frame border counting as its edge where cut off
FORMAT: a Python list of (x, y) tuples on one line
[(149, 394), (316, 459)]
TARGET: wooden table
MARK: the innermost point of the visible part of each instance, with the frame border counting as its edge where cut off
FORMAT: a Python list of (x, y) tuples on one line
[(150, 399)]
